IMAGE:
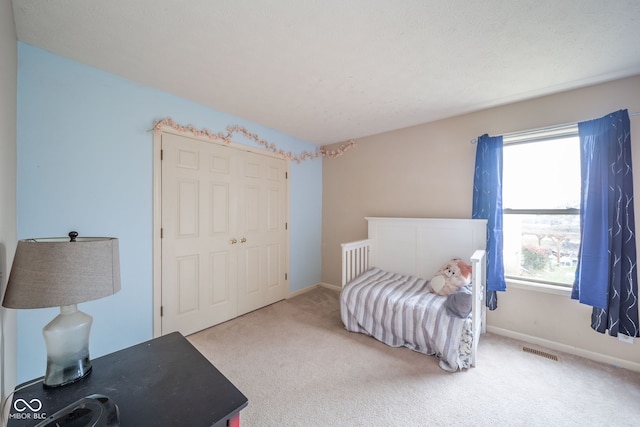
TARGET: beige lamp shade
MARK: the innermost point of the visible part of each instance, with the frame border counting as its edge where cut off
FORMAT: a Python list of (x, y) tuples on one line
[(55, 272)]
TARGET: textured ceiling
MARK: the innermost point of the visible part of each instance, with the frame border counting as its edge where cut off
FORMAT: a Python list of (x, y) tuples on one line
[(329, 70)]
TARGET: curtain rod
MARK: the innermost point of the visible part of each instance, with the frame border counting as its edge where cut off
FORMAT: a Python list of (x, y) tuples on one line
[(549, 128)]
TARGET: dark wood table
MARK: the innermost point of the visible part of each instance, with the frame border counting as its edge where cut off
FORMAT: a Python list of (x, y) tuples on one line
[(162, 382)]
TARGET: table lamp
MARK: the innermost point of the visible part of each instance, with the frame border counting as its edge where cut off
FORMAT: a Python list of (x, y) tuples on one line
[(63, 272)]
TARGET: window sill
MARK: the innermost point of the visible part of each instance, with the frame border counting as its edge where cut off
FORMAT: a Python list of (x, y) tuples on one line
[(539, 287)]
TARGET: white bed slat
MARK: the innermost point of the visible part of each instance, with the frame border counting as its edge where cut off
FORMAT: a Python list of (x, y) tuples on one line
[(355, 259)]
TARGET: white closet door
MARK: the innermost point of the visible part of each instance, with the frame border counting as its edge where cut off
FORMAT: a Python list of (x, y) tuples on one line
[(262, 206), (198, 262), (221, 253)]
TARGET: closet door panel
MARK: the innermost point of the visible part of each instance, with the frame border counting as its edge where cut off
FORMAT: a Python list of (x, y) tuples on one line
[(199, 265)]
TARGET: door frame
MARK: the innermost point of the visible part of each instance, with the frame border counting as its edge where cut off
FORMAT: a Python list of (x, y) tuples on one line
[(157, 210)]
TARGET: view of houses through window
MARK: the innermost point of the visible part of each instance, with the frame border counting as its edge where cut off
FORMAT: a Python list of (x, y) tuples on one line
[(541, 203)]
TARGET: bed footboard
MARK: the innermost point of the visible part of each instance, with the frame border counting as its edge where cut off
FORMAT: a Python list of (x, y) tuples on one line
[(355, 259), (478, 280)]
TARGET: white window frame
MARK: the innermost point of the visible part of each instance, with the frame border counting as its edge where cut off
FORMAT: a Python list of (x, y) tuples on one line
[(527, 137)]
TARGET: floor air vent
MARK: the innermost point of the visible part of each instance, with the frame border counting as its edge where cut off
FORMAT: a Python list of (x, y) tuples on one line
[(540, 353)]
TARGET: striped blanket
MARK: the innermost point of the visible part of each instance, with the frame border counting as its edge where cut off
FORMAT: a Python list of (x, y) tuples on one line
[(399, 311)]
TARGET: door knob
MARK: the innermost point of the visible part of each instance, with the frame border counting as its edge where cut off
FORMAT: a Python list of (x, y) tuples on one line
[(233, 241), (242, 240)]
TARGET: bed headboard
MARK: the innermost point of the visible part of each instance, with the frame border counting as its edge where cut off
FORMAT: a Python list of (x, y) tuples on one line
[(420, 246)]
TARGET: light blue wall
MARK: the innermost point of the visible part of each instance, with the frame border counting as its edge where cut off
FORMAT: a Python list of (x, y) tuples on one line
[(85, 163)]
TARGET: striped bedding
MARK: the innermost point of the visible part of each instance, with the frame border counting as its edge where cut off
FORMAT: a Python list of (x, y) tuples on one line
[(399, 311)]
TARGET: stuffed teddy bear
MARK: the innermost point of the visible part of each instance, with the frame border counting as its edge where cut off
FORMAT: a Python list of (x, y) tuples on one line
[(451, 277)]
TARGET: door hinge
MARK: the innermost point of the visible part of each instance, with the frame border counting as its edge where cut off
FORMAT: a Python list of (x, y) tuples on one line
[(286, 175), (161, 233), (285, 276), (286, 225), (161, 311), (161, 154)]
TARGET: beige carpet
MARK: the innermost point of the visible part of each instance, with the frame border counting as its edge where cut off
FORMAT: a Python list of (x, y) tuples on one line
[(298, 366)]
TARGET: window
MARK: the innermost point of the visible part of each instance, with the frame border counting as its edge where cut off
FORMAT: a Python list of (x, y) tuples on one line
[(541, 205)]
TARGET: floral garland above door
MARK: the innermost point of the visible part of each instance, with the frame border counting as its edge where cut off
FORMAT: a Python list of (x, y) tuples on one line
[(231, 130)]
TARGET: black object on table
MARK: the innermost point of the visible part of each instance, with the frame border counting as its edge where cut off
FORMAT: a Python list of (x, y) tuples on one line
[(162, 382)]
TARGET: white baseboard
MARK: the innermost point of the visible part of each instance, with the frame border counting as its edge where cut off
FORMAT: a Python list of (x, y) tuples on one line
[(312, 287), (328, 286), (301, 291), (587, 354)]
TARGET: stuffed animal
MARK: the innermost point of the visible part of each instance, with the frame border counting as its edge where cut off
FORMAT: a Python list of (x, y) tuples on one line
[(451, 277)]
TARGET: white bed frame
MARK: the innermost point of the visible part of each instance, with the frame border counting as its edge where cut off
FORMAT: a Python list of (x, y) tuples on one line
[(419, 247)]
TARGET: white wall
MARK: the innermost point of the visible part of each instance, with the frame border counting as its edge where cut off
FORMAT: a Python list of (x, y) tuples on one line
[(8, 88)]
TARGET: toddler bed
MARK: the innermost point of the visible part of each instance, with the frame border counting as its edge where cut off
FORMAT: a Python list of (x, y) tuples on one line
[(385, 279)]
